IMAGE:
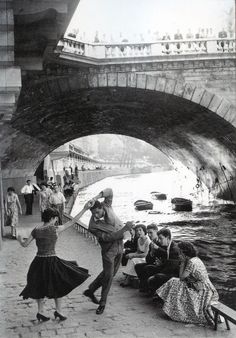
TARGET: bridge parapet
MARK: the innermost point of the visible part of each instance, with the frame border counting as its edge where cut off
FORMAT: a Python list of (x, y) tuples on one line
[(104, 52)]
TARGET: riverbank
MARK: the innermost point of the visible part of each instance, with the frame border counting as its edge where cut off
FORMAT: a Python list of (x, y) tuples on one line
[(210, 229), (128, 314)]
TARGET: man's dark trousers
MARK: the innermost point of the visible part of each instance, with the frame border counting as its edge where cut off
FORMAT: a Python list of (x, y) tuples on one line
[(29, 203), (111, 261), (144, 271)]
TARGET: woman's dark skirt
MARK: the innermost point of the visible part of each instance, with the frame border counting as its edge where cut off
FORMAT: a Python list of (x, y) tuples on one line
[(52, 277)]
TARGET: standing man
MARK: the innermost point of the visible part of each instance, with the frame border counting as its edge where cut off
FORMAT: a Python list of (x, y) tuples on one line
[(27, 191), (109, 230), (57, 200)]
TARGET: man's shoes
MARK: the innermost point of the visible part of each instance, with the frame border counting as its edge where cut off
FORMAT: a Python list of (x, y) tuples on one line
[(100, 309), (91, 295)]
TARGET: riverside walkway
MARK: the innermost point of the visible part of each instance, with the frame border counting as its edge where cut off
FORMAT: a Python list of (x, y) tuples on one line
[(128, 314)]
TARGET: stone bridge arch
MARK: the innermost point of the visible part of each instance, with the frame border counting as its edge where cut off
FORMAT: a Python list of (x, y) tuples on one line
[(187, 122)]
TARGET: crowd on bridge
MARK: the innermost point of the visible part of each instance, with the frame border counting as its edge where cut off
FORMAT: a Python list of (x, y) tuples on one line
[(170, 273), (149, 36)]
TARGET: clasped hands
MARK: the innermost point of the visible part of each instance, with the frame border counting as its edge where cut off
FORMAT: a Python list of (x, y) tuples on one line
[(89, 204)]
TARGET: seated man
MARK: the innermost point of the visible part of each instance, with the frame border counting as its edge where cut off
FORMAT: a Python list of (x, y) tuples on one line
[(170, 266), (153, 259)]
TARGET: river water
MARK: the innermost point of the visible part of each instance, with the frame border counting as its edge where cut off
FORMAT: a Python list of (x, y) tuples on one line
[(212, 232)]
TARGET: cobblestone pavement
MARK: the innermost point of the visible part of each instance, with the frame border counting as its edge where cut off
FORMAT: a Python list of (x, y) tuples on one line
[(127, 314)]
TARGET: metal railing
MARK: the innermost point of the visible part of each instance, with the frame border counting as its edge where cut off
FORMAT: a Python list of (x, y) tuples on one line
[(82, 229)]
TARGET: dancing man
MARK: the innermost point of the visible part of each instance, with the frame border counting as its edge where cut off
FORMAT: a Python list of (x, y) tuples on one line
[(109, 230)]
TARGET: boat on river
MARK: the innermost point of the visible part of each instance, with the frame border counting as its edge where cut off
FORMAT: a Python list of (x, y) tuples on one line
[(158, 196), (181, 204), (143, 205)]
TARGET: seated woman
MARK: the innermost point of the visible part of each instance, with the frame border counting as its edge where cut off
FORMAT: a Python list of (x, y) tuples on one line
[(138, 256), (189, 298), (130, 246)]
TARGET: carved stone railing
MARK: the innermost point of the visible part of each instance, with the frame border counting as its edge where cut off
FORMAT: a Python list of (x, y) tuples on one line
[(107, 51), (72, 46)]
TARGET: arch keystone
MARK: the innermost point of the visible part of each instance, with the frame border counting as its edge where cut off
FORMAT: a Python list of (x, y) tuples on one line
[(188, 91)]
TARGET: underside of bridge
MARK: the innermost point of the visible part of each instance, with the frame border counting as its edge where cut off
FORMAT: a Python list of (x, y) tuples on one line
[(49, 114), (54, 108)]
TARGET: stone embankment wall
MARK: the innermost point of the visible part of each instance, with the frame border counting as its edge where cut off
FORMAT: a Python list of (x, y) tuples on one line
[(89, 177)]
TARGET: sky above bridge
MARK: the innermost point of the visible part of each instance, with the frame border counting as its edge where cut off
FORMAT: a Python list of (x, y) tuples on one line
[(134, 17)]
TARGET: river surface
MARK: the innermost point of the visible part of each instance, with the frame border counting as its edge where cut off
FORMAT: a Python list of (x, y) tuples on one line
[(213, 232)]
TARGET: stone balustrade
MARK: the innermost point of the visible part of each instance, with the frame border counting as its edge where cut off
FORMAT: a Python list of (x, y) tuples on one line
[(72, 46), (135, 50)]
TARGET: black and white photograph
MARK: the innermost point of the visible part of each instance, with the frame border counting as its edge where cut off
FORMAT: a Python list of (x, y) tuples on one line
[(117, 168)]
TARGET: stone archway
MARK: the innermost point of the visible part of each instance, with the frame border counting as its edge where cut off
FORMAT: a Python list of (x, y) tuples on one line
[(188, 123)]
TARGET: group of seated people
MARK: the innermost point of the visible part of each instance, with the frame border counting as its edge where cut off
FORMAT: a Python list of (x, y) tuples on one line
[(170, 272)]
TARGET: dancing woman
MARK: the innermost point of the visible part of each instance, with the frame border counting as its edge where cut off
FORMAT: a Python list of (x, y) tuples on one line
[(50, 276)]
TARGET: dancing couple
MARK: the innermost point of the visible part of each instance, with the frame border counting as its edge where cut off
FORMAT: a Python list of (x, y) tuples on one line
[(52, 277)]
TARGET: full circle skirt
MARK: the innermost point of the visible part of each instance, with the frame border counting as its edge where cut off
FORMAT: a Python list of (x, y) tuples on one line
[(52, 277)]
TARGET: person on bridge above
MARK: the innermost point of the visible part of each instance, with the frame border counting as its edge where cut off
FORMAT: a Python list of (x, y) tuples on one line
[(189, 298), (28, 191), (109, 230), (48, 275)]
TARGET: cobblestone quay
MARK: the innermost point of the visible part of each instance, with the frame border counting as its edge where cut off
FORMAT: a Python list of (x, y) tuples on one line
[(128, 314)]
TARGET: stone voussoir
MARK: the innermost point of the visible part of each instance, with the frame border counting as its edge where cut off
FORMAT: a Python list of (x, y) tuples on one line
[(179, 89), (170, 86), (188, 91), (93, 80), (223, 108), (112, 79), (215, 103), (160, 84), (132, 80), (122, 80), (151, 82), (206, 99), (102, 80), (230, 116), (197, 95), (141, 81)]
